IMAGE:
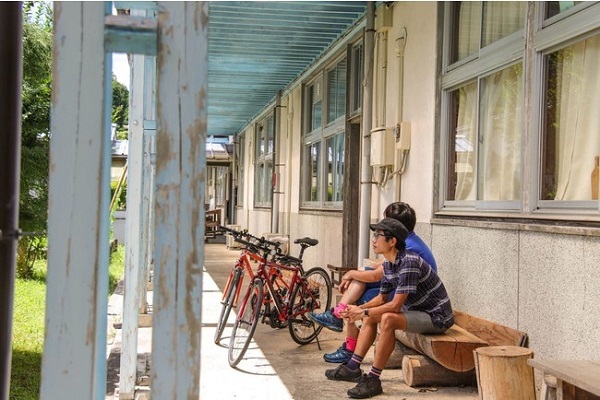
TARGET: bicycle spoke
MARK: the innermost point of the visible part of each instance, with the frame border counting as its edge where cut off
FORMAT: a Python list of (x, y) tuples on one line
[(245, 325), (314, 295)]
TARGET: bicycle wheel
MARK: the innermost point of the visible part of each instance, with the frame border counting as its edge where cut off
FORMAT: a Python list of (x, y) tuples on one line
[(228, 303), (313, 294), (245, 324)]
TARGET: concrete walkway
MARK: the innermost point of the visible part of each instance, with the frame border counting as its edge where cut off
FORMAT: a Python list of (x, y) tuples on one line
[(274, 367)]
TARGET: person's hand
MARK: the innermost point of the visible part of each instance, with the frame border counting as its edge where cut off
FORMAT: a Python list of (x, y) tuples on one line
[(344, 284), (352, 313)]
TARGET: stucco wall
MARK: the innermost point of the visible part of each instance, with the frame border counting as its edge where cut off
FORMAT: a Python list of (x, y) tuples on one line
[(545, 284)]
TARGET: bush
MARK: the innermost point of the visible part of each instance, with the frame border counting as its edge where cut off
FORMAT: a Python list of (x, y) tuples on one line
[(121, 201)]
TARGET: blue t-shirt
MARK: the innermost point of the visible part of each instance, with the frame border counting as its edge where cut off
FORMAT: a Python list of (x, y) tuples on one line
[(415, 244)]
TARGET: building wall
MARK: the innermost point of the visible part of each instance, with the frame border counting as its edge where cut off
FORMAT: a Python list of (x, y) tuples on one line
[(543, 283), (541, 280)]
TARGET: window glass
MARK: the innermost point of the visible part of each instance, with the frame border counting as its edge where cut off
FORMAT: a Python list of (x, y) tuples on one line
[(466, 16), (571, 138), (485, 163), (556, 7), (335, 167), (501, 18), (461, 171), (336, 90), (499, 152), (313, 155), (270, 134), (357, 72), (476, 25)]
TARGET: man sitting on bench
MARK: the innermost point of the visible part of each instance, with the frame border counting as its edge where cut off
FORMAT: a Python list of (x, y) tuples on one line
[(360, 286), (420, 305)]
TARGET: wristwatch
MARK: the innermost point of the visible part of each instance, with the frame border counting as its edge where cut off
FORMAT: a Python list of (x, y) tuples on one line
[(366, 310)]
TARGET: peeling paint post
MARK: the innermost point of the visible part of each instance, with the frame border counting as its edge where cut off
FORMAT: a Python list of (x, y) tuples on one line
[(135, 235), (74, 360), (182, 81)]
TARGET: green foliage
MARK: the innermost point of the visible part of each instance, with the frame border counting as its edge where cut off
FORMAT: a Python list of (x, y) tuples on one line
[(35, 121), (120, 107), (27, 339), (31, 250), (28, 326), (121, 201)]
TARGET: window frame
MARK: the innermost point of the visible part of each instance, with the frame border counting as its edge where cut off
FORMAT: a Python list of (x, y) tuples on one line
[(547, 36), (327, 130), (263, 158)]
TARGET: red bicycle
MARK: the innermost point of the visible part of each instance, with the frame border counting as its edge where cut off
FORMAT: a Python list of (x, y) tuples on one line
[(255, 250), (281, 294)]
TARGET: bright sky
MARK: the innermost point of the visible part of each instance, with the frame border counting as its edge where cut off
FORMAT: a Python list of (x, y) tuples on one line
[(121, 68)]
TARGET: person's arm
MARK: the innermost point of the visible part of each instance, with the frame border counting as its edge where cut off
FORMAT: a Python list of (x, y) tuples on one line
[(366, 276), (377, 307)]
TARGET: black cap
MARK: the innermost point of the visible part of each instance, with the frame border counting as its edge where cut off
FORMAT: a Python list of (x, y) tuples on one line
[(391, 227)]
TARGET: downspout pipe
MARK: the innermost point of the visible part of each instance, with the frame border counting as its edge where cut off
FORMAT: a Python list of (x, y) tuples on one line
[(367, 121), (11, 76), (276, 174)]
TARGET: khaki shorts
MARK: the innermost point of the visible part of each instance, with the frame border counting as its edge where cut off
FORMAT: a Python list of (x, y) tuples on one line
[(420, 322)]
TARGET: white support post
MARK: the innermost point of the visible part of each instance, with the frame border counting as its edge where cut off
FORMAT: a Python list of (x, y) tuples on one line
[(74, 360), (182, 81), (135, 234)]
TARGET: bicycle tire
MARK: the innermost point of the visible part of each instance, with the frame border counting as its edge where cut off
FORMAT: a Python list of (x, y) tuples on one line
[(227, 304), (245, 324), (302, 329)]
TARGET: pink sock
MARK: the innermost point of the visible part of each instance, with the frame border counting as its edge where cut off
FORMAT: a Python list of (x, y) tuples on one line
[(350, 343), (338, 309)]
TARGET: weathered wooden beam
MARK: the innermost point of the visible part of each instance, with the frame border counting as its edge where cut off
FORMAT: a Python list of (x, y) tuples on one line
[(182, 84), (130, 34), (74, 360)]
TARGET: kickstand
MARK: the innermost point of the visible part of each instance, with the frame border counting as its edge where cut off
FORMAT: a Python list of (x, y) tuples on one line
[(318, 342)]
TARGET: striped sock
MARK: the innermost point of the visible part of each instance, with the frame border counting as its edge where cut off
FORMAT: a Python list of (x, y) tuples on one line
[(338, 309), (354, 362), (375, 372)]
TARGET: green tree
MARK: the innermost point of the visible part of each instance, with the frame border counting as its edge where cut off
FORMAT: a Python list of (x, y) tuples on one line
[(35, 128), (120, 107)]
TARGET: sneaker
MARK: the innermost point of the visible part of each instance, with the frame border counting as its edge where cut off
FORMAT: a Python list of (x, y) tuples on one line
[(341, 355), (368, 386), (343, 373), (328, 320)]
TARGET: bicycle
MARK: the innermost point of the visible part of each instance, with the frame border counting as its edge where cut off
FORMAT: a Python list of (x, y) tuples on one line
[(253, 246), (306, 292)]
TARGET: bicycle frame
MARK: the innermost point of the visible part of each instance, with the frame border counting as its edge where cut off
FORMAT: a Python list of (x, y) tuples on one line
[(273, 288), (242, 263)]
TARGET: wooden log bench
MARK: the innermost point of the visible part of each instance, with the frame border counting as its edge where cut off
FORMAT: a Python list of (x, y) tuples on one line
[(447, 359)]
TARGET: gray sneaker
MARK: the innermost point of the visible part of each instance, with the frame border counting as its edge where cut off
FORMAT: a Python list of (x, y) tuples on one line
[(368, 386), (343, 373)]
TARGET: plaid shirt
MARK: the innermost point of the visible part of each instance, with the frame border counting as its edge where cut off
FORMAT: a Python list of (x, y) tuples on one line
[(411, 274)]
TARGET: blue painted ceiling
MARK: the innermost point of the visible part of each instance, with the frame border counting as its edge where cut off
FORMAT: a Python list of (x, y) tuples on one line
[(257, 48)]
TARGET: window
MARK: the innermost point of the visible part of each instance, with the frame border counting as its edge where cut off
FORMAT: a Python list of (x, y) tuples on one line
[(496, 157), (356, 78), (323, 152), (240, 157), (263, 164)]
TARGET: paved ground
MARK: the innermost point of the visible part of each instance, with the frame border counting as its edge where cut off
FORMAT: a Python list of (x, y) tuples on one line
[(274, 367)]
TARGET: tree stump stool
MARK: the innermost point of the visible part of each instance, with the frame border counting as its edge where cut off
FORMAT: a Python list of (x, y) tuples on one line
[(503, 373)]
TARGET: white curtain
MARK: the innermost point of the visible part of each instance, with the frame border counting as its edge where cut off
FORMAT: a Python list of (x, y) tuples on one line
[(466, 142), (578, 110), (499, 171)]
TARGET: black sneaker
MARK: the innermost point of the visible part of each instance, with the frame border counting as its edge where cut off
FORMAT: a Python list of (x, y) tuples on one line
[(368, 386), (343, 373)]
